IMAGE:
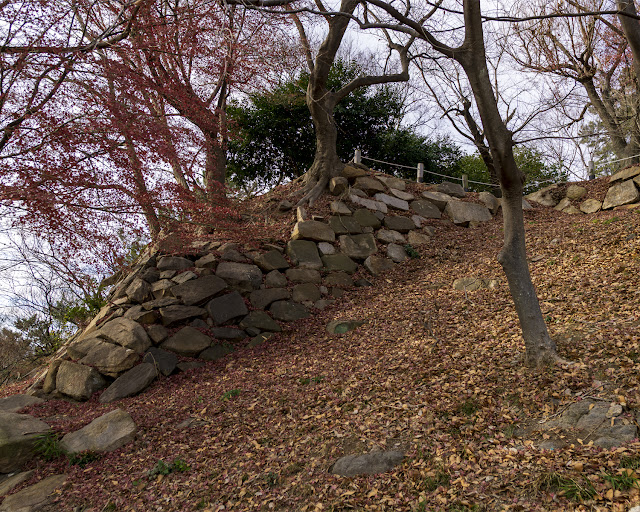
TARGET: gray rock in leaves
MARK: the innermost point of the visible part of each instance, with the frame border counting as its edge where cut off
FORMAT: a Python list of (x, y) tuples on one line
[(130, 383), (240, 273), (183, 277), (367, 219), (400, 224), (35, 497), (227, 333), (110, 359), (157, 333), (226, 308), (272, 260), (78, 381), (326, 248), (188, 341), (400, 194), (198, 291), (306, 292), (165, 362), (174, 263), (162, 288), (338, 279), (625, 174), (260, 320), (313, 230), (437, 198), (207, 261), (490, 201), (392, 202), (339, 208), (416, 239), (303, 275), (547, 196), (142, 315), (14, 403), (275, 279), (339, 263), (172, 315), (342, 326), (377, 265), (344, 225), (138, 291), (127, 333), (462, 212), (388, 236), (371, 463), (338, 185), (233, 255), (260, 299), (11, 482), (621, 194), (369, 185), (590, 206), (358, 247), (396, 253), (215, 352), (18, 433), (304, 253), (104, 434), (49, 384), (426, 209), (393, 183), (80, 348), (452, 189), (288, 311)]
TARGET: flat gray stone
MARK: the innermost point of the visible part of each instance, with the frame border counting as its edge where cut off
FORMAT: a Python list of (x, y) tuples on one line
[(351, 173), (215, 352), (396, 253), (389, 236), (240, 273), (405, 196), (358, 247), (547, 196), (344, 225), (272, 260), (462, 212), (162, 288), (157, 333), (437, 198), (377, 265), (188, 341), (313, 230), (18, 433), (371, 204), (10, 483), (275, 279), (338, 185), (416, 239), (400, 224), (343, 326), (288, 311), (142, 315), (138, 291), (371, 463), (227, 333), (260, 299), (226, 308), (325, 248), (490, 201), (304, 253), (339, 208), (199, 291), (426, 209), (369, 185), (183, 277), (49, 384), (130, 383), (392, 182), (35, 497), (367, 219), (303, 275), (338, 279), (109, 432), (164, 361), (207, 261), (172, 315), (306, 292), (260, 320), (575, 192), (451, 189), (174, 263), (392, 202), (126, 333), (339, 263), (110, 359), (79, 349), (620, 194), (625, 174), (590, 206), (14, 403), (78, 381)]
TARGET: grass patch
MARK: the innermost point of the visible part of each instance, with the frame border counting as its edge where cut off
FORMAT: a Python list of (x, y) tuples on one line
[(411, 252), (162, 468), (572, 488), (630, 462), (624, 480), (82, 459), (440, 479), (47, 446), (228, 395), (469, 407)]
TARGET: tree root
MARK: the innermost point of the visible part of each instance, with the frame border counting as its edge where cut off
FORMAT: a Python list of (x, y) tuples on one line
[(314, 192)]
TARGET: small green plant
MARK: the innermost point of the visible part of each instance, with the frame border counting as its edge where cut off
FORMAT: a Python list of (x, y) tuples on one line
[(411, 251), (630, 462), (469, 407), (621, 481), (203, 503), (83, 458), (574, 489), (47, 446), (441, 478), (227, 395), (611, 220), (305, 381), (110, 507), (271, 479), (162, 468)]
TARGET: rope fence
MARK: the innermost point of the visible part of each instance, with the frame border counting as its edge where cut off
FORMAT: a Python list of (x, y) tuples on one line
[(420, 170), (605, 165)]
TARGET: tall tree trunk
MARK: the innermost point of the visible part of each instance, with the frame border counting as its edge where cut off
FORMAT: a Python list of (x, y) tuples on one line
[(540, 349), (631, 29), (215, 169)]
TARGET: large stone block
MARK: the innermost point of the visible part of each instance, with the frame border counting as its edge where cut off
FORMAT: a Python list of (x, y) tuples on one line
[(104, 434), (620, 194), (339, 263), (625, 174), (130, 383), (304, 253), (367, 219), (369, 185), (358, 247), (199, 291), (35, 497), (18, 433), (344, 225), (313, 230), (547, 196), (127, 333), (400, 224), (438, 198), (288, 311), (377, 265), (188, 341), (451, 189), (78, 381), (260, 320), (239, 273), (172, 315), (174, 263), (226, 308), (260, 299), (110, 359), (272, 260), (461, 212), (392, 202), (426, 209)]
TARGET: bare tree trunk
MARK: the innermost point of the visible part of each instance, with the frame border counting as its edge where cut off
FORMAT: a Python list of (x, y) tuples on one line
[(540, 349), (631, 29)]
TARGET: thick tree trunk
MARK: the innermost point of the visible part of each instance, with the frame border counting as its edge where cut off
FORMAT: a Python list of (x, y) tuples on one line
[(540, 349), (631, 29), (215, 169)]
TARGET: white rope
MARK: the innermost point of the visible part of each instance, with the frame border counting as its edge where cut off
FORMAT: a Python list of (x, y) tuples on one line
[(618, 160), (430, 172)]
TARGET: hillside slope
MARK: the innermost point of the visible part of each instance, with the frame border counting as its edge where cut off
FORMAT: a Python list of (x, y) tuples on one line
[(433, 372)]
